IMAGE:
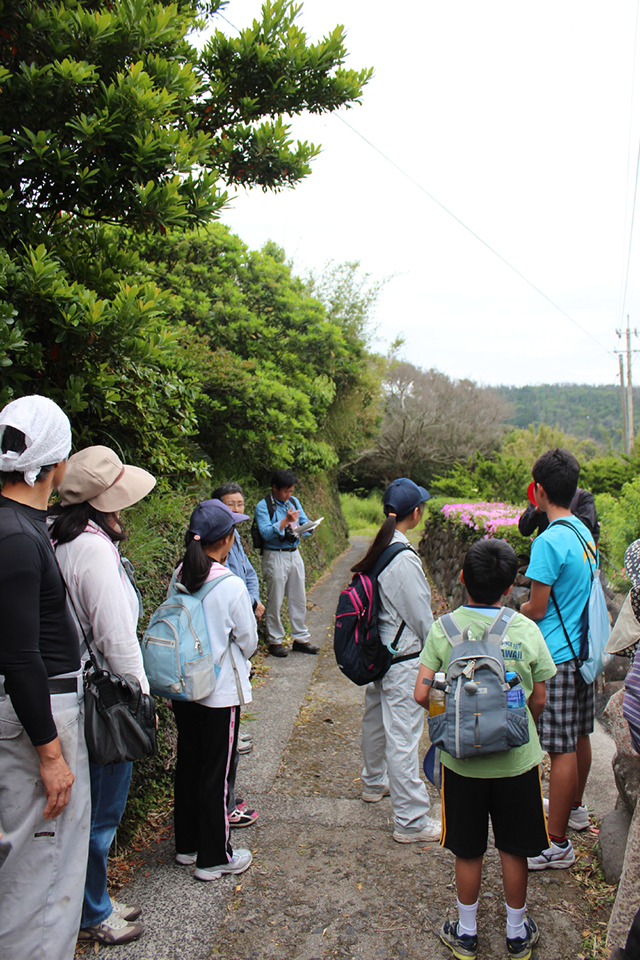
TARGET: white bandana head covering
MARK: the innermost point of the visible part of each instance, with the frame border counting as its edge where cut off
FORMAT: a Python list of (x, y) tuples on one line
[(47, 433)]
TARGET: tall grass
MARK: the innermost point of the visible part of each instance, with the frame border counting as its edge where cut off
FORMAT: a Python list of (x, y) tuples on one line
[(363, 516)]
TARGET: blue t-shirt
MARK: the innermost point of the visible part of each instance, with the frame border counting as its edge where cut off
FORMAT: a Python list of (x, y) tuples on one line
[(559, 559)]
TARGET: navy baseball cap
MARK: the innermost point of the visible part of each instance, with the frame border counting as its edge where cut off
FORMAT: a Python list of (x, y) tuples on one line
[(403, 496), (212, 519)]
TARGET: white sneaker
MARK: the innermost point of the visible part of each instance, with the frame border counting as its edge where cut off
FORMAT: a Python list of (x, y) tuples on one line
[(578, 818), (369, 795), (240, 861), (555, 858), (430, 832), (186, 859), (112, 930), (128, 911)]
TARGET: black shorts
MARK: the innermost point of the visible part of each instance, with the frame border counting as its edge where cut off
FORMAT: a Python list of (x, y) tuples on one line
[(513, 803)]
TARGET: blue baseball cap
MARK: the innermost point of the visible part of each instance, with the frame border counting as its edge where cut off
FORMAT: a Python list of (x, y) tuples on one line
[(403, 496), (212, 519)]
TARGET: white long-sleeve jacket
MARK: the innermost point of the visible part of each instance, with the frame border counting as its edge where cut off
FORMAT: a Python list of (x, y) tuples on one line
[(105, 601)]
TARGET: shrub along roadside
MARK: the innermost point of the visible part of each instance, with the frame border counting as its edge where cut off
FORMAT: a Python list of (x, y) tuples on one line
[(156, 529)]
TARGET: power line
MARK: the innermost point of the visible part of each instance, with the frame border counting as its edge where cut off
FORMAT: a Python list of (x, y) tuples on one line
[(626, 199), (474, 234)]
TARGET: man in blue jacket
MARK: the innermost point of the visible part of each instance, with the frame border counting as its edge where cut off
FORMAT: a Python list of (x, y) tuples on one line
[(238, 562), (277, 516)]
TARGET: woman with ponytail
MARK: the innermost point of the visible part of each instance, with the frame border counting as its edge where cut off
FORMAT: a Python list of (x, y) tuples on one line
[(208, 728), (393, 722)]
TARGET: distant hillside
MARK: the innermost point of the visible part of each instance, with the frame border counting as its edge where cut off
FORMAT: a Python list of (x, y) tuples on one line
[(579, 409)]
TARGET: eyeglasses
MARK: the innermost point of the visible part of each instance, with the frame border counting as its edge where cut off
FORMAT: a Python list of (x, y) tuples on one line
[(239, 504)]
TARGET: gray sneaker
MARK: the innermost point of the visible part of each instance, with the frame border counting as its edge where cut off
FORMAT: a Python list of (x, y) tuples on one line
[(429, 833), (240, 861), (112, 930)]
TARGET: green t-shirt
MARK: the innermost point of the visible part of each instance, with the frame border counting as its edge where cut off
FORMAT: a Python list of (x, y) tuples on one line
[(523, 650)]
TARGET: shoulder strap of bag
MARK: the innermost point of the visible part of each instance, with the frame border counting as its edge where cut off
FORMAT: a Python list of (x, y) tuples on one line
[(590, 554), (385, 558), (495, 632), (270, 501), (564, 630)]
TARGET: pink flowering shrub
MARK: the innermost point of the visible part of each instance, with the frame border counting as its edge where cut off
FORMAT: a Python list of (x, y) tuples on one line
[(487, 518)]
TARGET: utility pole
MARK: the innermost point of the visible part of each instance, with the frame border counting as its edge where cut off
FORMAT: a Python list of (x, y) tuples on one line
[(627, 391), (623, 397)]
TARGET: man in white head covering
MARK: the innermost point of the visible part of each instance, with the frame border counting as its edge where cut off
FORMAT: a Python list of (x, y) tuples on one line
[(44, 788)]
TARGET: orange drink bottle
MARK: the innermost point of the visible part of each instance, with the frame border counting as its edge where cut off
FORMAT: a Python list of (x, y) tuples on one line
[(436, 698)]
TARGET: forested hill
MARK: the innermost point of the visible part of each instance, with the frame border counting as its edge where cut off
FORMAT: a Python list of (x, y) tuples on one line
[(579, 409)]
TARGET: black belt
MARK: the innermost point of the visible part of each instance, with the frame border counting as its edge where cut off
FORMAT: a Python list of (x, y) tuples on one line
[(63, 685), (282, 549)]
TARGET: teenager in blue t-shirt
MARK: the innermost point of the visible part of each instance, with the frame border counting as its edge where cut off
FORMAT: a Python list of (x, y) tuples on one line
[(560, 571)]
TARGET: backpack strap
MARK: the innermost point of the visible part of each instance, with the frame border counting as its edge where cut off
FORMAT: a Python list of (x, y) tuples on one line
[(204, 590), (590, 554), (450, 627), (495, 632), (385, 558), (501, 624), (270, 501)]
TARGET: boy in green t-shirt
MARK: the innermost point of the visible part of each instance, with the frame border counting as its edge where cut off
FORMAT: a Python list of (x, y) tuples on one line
[(494, 785)]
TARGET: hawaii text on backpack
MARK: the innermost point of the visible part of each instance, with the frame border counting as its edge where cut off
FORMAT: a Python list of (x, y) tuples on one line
[(175, 647), (485, 709), (359, 651)]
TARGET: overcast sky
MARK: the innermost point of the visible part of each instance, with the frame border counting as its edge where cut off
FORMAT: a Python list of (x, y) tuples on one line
[(517, 118)]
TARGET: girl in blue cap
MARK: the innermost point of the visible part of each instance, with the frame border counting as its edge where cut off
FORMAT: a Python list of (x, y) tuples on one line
[(393, 722), (208, 728)]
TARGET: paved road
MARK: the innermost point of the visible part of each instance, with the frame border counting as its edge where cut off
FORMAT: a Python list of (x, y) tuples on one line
[(327, 879)]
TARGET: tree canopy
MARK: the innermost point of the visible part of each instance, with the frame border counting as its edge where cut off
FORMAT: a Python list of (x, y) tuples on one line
[(109, 115)]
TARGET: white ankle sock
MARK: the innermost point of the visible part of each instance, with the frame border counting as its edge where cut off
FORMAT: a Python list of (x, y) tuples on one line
[(515, 922), (467, 917)]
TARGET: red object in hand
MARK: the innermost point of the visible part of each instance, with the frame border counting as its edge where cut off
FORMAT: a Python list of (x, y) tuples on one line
[(530, 495)]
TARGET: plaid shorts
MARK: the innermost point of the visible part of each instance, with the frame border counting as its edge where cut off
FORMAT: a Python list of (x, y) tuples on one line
[(569, 711)]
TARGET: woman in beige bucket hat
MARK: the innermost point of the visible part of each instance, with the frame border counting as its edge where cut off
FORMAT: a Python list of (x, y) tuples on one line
[(86, 530)]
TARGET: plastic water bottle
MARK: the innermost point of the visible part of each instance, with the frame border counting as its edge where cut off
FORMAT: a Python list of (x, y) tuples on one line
[(515, 696), (436, 697)]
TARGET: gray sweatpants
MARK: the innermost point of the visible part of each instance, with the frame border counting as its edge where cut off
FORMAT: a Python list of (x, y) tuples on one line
[(42, 879), (283, 572), (391, 730)]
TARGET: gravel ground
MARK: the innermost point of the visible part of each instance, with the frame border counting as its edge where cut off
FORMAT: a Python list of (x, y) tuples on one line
[(327, 878)]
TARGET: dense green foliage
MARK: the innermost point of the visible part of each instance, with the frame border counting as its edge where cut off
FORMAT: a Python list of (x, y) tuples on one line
[(284, 378), (109, 115), (580, 410)]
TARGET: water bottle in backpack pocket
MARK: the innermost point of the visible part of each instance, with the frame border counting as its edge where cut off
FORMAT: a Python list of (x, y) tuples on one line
[(485, 709)]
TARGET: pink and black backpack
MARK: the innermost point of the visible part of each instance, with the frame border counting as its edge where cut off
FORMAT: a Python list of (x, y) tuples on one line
[(359, 651)]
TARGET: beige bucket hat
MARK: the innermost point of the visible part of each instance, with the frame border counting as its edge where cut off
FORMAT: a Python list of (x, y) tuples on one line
[(97, 476)]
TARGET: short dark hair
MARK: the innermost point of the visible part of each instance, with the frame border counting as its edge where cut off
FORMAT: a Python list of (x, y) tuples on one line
[(14, 439), (225, 489), (283, 478), (69, 522), (557, 471), (489, 567)]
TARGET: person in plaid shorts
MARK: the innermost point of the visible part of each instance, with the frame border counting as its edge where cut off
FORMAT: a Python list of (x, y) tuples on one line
[(560, 572)]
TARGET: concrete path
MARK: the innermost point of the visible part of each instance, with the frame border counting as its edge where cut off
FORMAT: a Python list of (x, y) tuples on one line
[(327, 878)]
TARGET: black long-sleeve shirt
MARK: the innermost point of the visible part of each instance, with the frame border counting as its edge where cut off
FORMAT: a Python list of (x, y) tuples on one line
[(583, 506), (38, 638)]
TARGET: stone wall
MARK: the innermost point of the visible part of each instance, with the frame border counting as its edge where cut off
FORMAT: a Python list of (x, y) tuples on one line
[(443, 548)]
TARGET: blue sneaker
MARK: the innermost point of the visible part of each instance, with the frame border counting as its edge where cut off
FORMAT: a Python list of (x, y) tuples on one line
[(520, 947), (463, 945)]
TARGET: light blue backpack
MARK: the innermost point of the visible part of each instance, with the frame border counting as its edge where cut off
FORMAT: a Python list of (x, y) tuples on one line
[(176, 649)]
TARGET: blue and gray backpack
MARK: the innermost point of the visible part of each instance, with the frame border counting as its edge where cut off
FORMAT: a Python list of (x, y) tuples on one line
[(485, 710), (176, 649)]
